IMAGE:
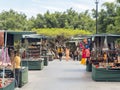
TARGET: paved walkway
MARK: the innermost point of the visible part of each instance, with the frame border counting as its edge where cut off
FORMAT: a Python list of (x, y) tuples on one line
[(63, 75)]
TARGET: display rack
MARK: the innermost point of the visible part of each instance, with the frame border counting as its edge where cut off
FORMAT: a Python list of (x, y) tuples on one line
[(33, 52)]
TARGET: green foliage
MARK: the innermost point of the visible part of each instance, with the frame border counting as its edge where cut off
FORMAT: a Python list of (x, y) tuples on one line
[(68, 23), (11, 20), (70, 19), (106, 19), (53, 32)]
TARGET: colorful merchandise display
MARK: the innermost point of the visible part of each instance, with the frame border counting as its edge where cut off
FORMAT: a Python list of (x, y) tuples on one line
[(105, 58)]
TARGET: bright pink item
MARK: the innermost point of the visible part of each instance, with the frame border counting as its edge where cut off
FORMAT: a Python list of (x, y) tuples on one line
[(5, 57), (87, 53)]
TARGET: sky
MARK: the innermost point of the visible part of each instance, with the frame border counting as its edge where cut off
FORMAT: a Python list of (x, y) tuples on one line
[(34, 7)]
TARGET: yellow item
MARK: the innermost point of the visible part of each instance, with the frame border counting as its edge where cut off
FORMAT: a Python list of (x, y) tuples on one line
[(59, 50), (17, 62), (83, 61), (105, 57)]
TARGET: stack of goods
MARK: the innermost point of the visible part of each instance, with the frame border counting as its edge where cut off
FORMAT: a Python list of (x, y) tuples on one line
[(109, 59)]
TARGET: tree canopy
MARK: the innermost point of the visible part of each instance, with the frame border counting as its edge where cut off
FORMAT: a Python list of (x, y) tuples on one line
[(108, 20)]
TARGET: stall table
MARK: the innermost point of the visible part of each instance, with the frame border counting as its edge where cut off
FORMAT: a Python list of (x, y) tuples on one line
[(103, 74), (33, 64), (10, 86), (89, 67), (23, 75)]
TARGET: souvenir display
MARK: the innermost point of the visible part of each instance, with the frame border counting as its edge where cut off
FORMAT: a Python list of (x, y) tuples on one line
[(105, 58)]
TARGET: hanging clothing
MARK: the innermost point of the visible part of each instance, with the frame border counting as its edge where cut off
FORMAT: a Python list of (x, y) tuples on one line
[(81, 45), (83, 60), (87, 51), (5, 57), (83, 53)]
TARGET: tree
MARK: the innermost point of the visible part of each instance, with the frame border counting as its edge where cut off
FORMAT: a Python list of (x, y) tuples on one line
[(117, 18), (107, 17), (12, 20), (39, 21), (31, 23)]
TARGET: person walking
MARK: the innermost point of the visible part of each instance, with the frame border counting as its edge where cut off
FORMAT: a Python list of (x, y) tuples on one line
[(17, 67), (60, 53), (67, 52)]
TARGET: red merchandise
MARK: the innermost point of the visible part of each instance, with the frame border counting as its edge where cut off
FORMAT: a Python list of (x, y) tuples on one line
[(83, 53)]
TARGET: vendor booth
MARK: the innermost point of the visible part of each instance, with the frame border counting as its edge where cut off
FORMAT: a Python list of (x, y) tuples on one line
[(105, 57), (9, 40), (32, 50)]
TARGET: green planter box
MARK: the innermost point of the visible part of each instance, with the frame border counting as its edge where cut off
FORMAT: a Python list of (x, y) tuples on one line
[(89, 67), (102, 74), (33, 64), (23, 76), (11, 86), (45, 61)]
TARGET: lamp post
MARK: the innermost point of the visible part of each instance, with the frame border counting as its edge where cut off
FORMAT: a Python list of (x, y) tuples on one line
[(96, 2)]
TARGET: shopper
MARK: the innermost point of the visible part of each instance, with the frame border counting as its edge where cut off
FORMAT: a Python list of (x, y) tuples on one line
[(17, 67)]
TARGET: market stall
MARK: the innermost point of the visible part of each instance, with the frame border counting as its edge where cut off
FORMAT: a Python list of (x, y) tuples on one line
[(9, 41), (32, 50), (6, 81), (105, 57)]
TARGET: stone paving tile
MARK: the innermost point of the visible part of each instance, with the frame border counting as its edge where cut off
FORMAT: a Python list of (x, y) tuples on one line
[(63, 75)]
